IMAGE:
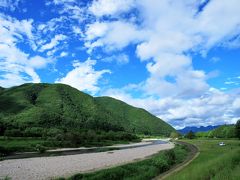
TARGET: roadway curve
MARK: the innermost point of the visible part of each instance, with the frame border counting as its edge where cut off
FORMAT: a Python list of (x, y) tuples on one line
[(64, 166)]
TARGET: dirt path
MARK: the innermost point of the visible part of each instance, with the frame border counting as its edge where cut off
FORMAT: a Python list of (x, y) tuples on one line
[(49, 167), (194, 152)]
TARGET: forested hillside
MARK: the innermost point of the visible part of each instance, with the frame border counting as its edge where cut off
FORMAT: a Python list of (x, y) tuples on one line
[(61, 112)]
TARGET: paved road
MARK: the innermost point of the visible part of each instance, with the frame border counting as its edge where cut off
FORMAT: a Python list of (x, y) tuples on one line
[(58, 166)]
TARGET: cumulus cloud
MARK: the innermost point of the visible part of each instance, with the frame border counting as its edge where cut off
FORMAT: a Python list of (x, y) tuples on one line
[(165, 34), (9, 4), (53, 43), (121, 59), (213, 107), (62, 1), (110, 7), (17, 67), (84, 77), (37, 62), (63, 54), (106, 34)]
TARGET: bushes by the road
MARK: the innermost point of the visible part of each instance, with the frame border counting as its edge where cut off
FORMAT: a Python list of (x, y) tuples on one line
[(145, 169)]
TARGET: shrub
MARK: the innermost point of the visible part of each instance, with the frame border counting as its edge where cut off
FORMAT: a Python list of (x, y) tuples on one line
[(40, 148), (161, 163), (171, 156), (53, 133), (33, 132), (13, 133)]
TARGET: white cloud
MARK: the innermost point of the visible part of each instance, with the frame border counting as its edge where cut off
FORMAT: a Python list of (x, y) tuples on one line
[(77, 30), (59, 2), (37, 62), (173, 75), (110, 7), (12, 30), (165, 33), (14, 62), (233, 81), (63, 54), (9, 4), (17, 67), (101, 34), (84, 77), (96, 30), (214, 107), (12, 79), (219, 21), (62, 1), (233, 43), (215, 59), (121, 59), (53, 43), (73, 9), (236, 105), (177, 27)]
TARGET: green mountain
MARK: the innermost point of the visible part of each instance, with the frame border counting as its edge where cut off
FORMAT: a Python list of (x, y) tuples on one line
[(33, 108), (134, 119)]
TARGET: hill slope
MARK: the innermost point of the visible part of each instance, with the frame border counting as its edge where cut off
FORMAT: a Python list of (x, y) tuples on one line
[(134, 119), (43, 106)]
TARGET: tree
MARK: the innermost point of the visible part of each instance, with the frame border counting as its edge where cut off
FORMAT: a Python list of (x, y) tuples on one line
[(237, 128), (190, 135), (175, 135)]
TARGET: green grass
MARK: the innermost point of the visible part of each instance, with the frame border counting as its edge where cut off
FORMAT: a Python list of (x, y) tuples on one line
[(20, 144), (144, 170), (214, 162)]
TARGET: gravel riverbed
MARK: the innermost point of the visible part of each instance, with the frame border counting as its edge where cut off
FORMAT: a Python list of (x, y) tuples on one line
[(64, 166)]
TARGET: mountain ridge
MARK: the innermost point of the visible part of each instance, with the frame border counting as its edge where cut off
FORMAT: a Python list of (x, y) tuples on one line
[(61, 106)]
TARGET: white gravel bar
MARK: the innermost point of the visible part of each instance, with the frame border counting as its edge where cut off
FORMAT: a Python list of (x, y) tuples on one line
[(65, 166), (144, 142)]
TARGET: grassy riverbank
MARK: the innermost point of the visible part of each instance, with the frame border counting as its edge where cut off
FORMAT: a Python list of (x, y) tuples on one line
[(214, 162)]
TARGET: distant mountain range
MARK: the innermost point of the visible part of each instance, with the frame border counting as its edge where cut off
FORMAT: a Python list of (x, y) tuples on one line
[(197, 129)]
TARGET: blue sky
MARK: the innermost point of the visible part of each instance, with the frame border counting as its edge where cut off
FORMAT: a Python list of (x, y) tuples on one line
[(177, 59)]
